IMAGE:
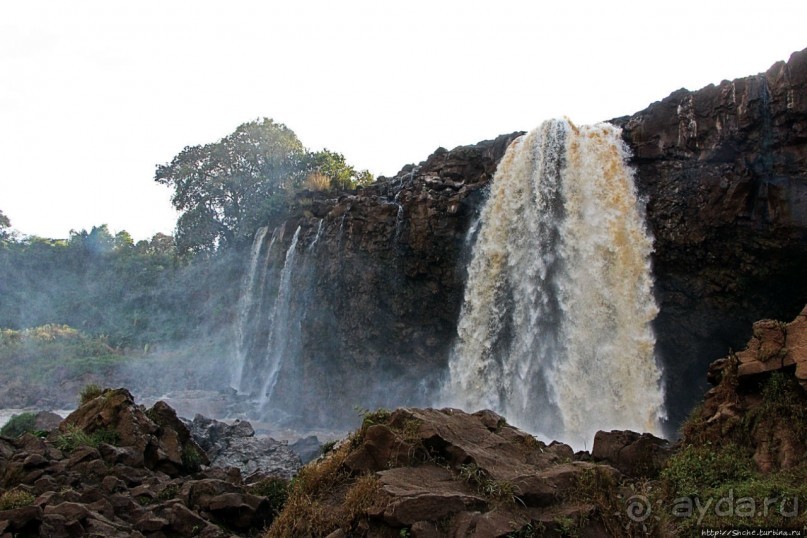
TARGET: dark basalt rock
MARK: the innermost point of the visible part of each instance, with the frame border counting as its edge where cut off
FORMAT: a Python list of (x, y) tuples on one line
[(123, 491), (724, 173), (632, 453), (381, 289), (740, 409), (446, 473)]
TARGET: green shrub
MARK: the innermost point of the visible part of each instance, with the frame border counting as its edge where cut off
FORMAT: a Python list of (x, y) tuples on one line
[(697, 468), (168, 492), (18, 425), (16, 498), (90, 392), (75, 437), (276, 491), (369, 418), (191, 458), (492, 489)]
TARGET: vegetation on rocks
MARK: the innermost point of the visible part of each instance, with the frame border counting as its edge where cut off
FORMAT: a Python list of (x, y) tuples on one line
[(74, 437), (15, 498), (19, 424)]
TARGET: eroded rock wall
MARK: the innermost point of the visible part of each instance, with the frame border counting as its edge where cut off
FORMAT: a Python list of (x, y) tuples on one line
[(724, 173)]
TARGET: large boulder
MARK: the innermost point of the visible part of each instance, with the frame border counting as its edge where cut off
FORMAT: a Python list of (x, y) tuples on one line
[(634, 454), (428, 472), (155, 437)]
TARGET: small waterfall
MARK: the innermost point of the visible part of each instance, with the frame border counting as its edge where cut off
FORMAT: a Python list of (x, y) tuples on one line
[(555, 330), (316, 237), (280, 334), (399, 221), (251, 302)]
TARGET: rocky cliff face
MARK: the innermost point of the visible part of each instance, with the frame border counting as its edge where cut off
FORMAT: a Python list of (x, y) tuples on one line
[(377, 282), (374, 290), (724, 172)]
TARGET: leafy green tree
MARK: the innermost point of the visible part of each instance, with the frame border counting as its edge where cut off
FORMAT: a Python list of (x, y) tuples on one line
[(98, 240), (228, 189), (5, 224)]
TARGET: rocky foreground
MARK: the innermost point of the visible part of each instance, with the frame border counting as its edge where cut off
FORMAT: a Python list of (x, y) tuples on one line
[(113, 468)]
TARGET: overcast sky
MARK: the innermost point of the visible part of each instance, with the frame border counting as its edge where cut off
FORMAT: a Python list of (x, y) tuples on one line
[(94, 94)]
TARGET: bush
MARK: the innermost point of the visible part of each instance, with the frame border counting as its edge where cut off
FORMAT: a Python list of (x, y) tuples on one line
[(89, 392), (317, 181), (18, 425), (276, 491), (16, 498), (75, 437), (697, 468), (191, 458)]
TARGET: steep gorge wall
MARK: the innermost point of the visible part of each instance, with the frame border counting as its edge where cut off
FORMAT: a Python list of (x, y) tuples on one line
[(724, 172), (379, 279)]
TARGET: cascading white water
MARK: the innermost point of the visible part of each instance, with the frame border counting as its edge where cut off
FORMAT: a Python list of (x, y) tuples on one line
[(278, 321), (251, 300), (555, 329)]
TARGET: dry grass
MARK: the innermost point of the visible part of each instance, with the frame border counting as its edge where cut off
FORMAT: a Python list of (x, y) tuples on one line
[(317, 181), (306, 512), (15, 498), (361, 496)]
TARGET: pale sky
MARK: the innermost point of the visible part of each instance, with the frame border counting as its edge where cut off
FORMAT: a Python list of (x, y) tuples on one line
[(94, 94)]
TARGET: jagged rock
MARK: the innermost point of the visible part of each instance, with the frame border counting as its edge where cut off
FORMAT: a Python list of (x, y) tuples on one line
[(240, 511), (24, 520), (46, 421), (381, 448), (162, 443), (632, 453), (237, 446), (464, 474), (124, 491), (775, 345), (427, 493), (738, 405)]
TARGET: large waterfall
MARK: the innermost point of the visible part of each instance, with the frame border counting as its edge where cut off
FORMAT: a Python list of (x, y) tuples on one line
[(555, 329)]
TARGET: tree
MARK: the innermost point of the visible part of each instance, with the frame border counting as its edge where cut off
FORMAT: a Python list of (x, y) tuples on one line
[(97, 241), (228, 189), (5, 224)]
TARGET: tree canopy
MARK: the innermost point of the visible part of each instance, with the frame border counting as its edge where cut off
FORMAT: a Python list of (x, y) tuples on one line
[(5, 224), (226, 190)]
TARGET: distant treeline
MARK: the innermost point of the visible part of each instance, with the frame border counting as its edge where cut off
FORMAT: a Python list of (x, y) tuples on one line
[(134, 294)]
